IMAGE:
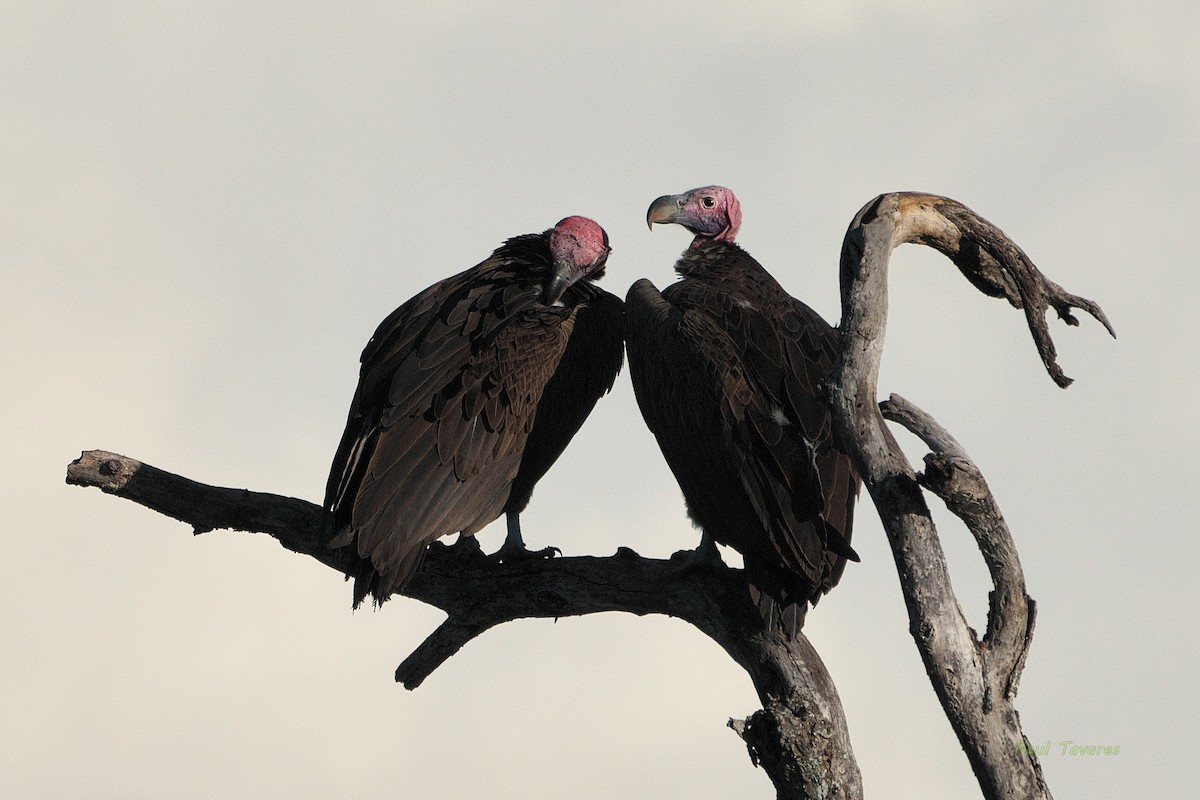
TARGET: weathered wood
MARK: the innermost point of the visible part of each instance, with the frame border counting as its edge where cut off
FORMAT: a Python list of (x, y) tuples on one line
[(976, 680)]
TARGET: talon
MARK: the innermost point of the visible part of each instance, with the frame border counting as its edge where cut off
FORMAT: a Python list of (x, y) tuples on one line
[(511, 554), (514, 549)]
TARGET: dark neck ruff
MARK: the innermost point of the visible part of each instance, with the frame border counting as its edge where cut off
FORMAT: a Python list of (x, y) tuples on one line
[(706, 256)]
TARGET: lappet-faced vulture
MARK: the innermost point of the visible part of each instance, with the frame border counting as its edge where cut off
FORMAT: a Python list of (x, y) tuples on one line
[(727, 369), (468, 393)]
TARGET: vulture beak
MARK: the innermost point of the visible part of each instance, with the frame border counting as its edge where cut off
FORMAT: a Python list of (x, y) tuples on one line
[(664, 210), (564, 276)]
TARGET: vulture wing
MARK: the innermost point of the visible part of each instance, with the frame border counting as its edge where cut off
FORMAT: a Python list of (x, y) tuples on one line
[(728, 383), (448, 390), (586, 372)]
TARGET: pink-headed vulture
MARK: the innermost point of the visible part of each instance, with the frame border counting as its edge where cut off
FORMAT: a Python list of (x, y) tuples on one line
[(467, 394), (727, 368)]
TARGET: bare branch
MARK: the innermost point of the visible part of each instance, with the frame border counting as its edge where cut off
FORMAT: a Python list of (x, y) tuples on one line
[(297, 524), (975, 680), (991, 261), (799, 738), (952, 475)]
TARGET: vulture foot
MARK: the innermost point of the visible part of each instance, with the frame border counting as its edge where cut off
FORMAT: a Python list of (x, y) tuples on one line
[(514, 550), (511, 552)]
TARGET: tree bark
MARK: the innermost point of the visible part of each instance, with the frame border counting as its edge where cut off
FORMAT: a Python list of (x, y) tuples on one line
[(799, 737)]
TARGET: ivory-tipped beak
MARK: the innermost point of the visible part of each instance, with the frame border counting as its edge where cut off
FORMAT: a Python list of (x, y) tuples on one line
[(664, 210), (562, 280)]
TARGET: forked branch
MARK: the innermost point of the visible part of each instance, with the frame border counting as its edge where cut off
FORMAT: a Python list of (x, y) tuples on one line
[(976, 680)]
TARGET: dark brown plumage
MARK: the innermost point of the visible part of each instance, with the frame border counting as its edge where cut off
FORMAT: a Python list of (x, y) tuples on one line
[(467, 395), (727, 369)]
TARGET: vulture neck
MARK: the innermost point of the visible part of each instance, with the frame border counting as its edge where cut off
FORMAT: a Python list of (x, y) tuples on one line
[(707, 257)]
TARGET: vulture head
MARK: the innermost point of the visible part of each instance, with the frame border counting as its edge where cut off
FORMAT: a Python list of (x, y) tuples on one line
[(710, 212), (579, 247)]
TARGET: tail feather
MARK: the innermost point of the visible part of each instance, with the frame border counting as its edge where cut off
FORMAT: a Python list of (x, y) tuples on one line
[(776, 615)]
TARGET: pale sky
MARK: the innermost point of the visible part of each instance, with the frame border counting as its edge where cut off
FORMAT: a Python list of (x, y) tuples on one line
[(206, 208)]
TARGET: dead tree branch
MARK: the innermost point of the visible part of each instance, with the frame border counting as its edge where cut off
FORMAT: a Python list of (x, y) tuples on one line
[(799, 737), (976, 680)]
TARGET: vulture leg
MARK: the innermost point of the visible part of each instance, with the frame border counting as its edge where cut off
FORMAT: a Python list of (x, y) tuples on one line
[(514, 548)]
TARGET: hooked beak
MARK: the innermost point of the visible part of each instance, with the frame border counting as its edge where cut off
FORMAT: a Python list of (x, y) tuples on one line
[(664, 210), (564, 276), (567, 273)]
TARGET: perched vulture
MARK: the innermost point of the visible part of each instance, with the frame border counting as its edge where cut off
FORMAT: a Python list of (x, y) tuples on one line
[(727, 369), (468, 393)]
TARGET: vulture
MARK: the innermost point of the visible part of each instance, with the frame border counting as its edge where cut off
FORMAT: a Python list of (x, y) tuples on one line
[(467, 394), (727, 369)]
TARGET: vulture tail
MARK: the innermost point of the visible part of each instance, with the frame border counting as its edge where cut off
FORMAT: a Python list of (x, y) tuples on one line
[(776, 615)]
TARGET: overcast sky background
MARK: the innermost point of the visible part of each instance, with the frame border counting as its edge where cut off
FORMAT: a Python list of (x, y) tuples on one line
[(206, 208)]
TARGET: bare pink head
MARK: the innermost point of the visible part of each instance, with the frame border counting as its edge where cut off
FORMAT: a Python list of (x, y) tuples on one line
[(579, 247), (711, 212)]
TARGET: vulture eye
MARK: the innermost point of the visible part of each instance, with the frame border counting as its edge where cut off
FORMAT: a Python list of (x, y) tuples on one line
[(708, 202)]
